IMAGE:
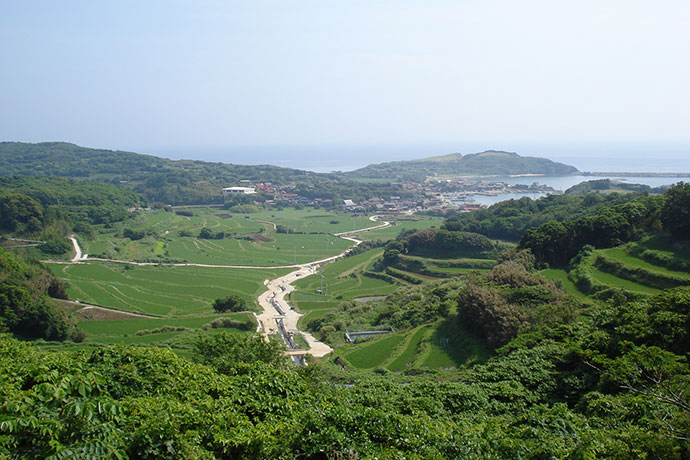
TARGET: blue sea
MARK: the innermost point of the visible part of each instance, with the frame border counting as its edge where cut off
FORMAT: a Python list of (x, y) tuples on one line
[(327, 158)]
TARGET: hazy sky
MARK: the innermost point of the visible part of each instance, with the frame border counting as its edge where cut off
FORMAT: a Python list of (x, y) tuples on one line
[(156, 75)]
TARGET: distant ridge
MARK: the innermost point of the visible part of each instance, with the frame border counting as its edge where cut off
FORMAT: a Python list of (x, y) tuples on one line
[(159, 179), (486, 163)]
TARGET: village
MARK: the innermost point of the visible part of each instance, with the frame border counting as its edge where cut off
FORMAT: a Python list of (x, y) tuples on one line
[(430, 196)]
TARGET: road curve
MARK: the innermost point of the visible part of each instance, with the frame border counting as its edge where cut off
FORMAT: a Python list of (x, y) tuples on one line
[(276, 311), (77, 251)]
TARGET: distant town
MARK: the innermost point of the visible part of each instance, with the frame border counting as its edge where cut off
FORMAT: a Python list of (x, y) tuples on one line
[(432, 195)]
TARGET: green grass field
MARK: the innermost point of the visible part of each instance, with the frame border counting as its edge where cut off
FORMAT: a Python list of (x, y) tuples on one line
[(406, 358), (160, 290), (375, 353), (445, 345), (402, 223), (450, 345), (344, 281), (665, 245), (620, 255), (313, 242), (616, 282), (555, 274)]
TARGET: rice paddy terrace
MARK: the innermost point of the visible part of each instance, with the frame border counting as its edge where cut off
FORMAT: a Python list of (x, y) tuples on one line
[(162, 274)]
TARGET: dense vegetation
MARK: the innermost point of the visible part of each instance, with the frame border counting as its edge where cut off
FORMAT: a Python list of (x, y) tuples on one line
[(509, 219), (478, 164), (25, 305), (608, 186), (173, 182), (561, 374), (510, 299), (557, 242), (610, 385), (51, 207)]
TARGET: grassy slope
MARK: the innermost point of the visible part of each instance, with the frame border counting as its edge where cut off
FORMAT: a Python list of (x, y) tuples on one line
[(160, 291), (620, 255), (285, 249)]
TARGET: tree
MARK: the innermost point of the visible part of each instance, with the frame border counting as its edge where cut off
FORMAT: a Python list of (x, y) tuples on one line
[(19, 213), (55, 246), (232, 303), (206, 233), (675, 213), (230, 353), (392, 252)]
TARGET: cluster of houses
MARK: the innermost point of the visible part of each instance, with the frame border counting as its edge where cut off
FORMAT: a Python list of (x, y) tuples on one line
[(434, 195)]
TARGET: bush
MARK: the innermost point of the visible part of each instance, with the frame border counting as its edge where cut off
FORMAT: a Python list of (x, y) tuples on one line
[(55, 246), (231, 303), (223, 323)]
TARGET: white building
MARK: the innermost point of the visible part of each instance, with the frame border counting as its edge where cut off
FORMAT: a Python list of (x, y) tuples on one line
[(238, 190)]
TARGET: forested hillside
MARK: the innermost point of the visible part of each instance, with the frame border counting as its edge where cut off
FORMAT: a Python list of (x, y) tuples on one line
[(509, 219), (25, 305), (49, 209), (556, 243), (171, 182), (478, 164)]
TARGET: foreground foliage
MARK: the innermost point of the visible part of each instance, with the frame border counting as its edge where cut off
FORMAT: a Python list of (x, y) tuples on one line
[(612, 385)]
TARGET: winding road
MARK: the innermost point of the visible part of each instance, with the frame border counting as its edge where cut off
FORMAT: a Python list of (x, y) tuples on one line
[(277, 315)]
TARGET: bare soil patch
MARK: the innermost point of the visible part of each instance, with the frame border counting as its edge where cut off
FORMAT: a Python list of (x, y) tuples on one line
[(262, 238)]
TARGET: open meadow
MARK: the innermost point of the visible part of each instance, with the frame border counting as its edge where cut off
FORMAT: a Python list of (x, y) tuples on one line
[(160, 290), (267, 238)]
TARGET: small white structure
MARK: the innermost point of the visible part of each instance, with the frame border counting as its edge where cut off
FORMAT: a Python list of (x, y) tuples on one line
[(238, 190)]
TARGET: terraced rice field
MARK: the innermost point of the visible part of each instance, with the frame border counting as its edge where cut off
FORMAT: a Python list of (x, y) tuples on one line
[(406, 358), (402, 223), (252, 239), (613, 281), (160, 291), (620, 255), (441, 346), (556, 274), (375, 353), (344, 281)]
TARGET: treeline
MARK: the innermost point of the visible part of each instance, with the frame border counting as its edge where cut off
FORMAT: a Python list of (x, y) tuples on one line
[(173, 182), (606, 185), (25, 305), (509, 219), (557, 242), (51, 207), (439, 243)]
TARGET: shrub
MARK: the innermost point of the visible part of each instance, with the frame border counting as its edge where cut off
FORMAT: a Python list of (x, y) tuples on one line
[(232, 303)]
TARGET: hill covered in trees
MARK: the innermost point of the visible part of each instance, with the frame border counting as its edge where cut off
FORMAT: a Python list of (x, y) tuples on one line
[(488, 163), (25, 305), (508, 220), (197, 182), (159, 179)]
